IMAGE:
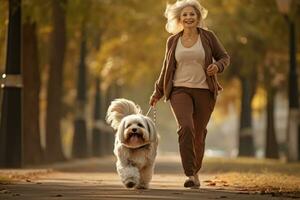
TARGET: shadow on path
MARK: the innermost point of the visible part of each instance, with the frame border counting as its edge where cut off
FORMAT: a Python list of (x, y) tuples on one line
[(75, 191), (93, 179)]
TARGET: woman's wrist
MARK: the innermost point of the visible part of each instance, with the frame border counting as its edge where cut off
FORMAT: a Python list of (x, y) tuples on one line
[(217, 67)]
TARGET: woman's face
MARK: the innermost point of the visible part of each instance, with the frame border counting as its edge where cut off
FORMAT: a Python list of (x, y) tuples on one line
[(188, 17)]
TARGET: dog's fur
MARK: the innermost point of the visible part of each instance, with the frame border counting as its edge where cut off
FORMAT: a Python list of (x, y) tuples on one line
[(135, 143)]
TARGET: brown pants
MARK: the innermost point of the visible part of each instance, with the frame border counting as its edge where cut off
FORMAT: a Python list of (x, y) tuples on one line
[(192, 108)]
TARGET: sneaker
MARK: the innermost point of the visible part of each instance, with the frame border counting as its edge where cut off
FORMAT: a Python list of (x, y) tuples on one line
[(196, 181), (190, 182)]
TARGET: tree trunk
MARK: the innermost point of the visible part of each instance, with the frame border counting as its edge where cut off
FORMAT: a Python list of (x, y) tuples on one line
[(271, 146), (271, 142), (246, 144), (97, 135), (108, 137), (80, 148), (31, 83), (54, 150)]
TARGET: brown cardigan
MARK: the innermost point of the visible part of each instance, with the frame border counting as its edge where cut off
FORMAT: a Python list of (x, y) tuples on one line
[(213, 50)]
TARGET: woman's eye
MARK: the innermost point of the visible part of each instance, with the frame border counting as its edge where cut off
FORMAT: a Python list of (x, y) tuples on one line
[(184, 15)]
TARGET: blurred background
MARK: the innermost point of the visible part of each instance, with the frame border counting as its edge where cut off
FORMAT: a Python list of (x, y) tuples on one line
[(78, 55)]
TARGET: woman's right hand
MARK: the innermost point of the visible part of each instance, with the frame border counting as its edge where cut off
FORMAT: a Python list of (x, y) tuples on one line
[(153, 101)]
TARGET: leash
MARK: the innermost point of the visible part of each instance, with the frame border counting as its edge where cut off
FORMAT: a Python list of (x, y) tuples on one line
[(154, 113)]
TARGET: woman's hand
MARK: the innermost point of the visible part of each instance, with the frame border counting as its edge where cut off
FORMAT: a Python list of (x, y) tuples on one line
[(212, 69), (153, 101)]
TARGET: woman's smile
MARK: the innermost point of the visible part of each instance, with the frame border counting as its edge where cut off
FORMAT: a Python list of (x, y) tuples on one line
[(188, 17), (189, 21)]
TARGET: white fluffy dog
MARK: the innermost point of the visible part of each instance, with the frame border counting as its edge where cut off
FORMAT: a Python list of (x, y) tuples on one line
[(135, 143)]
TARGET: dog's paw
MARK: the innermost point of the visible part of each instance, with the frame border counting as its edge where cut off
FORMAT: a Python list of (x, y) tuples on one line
[(130, 184)]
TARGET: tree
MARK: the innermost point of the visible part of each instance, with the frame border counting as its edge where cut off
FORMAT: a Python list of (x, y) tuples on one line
[(240, 38), (33, 153), (80, 149), (251, 35), (54, 151)]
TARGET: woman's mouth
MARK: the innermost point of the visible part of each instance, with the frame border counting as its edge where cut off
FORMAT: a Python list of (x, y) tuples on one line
[(189, 22)]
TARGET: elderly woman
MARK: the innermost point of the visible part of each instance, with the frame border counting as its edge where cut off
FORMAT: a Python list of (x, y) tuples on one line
[(188, 79)]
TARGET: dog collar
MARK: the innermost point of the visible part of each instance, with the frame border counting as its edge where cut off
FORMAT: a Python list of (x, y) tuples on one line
[(140, 147)]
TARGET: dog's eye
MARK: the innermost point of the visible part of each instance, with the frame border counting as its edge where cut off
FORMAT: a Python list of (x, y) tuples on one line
[(128, 125), (140, 125)]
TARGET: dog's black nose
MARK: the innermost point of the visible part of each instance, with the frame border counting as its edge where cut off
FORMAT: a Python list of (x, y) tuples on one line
[(134, 130)]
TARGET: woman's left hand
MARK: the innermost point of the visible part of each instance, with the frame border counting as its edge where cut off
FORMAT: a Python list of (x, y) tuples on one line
[(212, 69)]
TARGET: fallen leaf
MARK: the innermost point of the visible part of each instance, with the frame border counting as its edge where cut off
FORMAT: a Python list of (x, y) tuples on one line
[(211, 184), (58, 195), (4, 191)]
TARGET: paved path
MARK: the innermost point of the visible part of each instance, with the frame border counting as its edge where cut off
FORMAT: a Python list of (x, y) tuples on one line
[(96, 179)]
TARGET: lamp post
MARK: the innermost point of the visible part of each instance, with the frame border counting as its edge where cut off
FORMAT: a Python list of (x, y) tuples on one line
[(11, 84), (293, 136)]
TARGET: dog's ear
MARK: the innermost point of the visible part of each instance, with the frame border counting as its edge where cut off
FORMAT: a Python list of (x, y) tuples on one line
[(151, 129), (120, 131)]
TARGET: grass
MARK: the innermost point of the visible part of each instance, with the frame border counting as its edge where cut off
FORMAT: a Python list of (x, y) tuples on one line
[(260, 175)]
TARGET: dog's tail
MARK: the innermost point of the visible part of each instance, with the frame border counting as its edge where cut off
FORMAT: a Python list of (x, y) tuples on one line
[(118, 109)]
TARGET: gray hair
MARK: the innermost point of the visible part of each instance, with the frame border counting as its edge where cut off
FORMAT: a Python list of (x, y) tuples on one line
[(172, 13)]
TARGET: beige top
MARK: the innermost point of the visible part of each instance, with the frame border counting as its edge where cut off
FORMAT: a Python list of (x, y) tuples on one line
[(190, 66)]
